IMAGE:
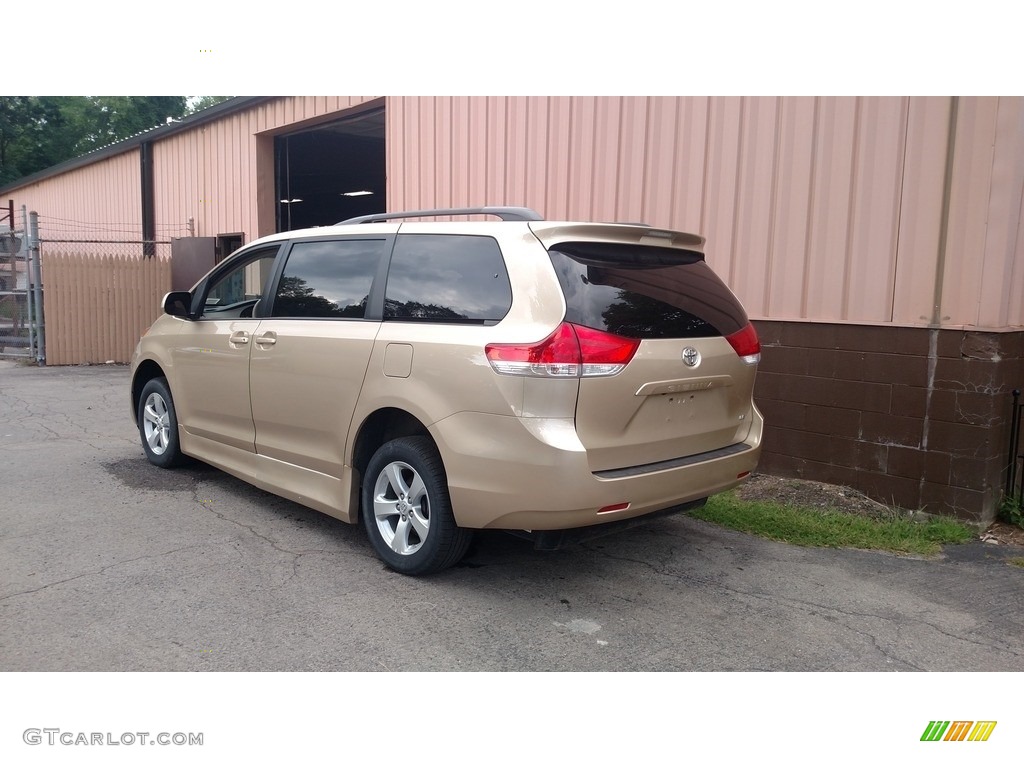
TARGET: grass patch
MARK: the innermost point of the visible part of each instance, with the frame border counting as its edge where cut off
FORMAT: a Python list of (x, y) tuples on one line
[(810, 527), (1018, 561)]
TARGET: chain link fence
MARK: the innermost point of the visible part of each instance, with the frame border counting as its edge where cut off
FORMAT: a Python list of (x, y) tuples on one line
[(132, 249), (99, 283), (60, 235)]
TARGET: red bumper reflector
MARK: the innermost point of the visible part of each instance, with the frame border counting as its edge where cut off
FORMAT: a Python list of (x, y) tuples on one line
[(613, 508)]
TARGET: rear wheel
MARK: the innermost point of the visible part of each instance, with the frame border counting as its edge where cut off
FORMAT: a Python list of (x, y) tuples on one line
[(407, 510), (158, 425)]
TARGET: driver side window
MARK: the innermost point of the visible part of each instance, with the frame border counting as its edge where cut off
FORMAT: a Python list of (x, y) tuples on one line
[(235, 293)]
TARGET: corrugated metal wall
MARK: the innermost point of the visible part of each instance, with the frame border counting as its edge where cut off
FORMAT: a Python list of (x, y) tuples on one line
[(819, 209), (984, 276), (99, 202), (208, 174), (814, 208), (211, 174)]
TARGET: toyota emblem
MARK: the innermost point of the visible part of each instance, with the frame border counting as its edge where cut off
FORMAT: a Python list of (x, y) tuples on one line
[(691, 357)]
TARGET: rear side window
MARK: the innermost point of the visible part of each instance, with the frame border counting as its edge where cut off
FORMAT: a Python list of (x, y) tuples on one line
[(328, 278), (447, 279), (644, 292)]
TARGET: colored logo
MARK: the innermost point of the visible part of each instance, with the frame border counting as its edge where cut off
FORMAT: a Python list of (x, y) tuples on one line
[(958, 730)]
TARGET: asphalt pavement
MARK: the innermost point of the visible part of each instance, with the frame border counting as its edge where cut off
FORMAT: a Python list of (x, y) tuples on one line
[(110, 564)]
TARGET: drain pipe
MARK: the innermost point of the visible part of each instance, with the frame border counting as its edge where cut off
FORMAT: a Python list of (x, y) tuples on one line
[(940, 275), (947, 193), (148, 200), (1011, 464), (940, 269)]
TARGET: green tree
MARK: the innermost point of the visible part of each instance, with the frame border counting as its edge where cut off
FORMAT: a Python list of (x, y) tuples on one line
[(24, 123), (37, 132), (113, 118), (199, 103)]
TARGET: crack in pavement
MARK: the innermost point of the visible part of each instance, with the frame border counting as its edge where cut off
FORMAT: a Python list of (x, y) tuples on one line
[(295, 555), (101, 571), (818, 610)]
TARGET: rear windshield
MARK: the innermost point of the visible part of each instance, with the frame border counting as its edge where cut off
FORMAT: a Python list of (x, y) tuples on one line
[(644, 292)]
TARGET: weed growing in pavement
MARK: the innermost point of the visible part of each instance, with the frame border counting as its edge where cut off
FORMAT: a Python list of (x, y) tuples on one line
[(1012, 511)]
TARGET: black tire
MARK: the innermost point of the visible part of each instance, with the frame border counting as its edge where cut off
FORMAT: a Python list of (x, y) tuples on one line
[(407, 511), (158, 425)]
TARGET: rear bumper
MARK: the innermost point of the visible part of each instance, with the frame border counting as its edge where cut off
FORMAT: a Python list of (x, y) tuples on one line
[(532, 474), (552, 540)]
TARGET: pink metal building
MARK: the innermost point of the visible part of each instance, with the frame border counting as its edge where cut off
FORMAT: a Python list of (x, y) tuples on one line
[(876, 241)]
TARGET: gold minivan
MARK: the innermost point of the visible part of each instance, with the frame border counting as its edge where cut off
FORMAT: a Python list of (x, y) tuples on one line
[(552, 379)]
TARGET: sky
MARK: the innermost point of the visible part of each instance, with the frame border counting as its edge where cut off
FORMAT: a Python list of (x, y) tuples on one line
[(647, 47)]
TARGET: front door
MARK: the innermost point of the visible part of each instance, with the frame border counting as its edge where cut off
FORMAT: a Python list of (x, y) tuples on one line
[(210, 373)]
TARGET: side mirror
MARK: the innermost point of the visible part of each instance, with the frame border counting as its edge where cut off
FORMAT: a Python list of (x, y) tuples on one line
[(178, 304)]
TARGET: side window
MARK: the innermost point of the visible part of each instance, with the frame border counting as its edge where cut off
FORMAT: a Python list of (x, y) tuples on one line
[(447, 279), (328, 278), (235, 293)]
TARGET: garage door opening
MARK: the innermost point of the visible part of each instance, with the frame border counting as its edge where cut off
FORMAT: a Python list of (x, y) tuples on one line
[(330, 173)]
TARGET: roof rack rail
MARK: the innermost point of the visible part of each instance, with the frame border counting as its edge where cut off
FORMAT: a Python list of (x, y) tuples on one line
[(503, 213)]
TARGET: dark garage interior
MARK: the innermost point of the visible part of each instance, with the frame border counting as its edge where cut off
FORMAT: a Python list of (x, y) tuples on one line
[(331, 172)]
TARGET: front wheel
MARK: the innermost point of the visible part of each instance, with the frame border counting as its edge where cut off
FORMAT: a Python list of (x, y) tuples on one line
[(158, 425), (407, 511)]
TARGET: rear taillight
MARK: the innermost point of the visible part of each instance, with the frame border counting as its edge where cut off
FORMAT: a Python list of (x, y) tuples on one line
[(571, 351), (746, 344)]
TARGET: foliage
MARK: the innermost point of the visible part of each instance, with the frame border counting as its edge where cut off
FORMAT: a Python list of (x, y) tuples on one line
[(25, 122), (199, 103), (37, 132), (1012, 511), (119, 117), (812, 527)]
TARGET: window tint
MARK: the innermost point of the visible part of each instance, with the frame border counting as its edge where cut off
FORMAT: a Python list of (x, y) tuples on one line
[(235, 293), (328, 278), (447, 279), (644, 292)]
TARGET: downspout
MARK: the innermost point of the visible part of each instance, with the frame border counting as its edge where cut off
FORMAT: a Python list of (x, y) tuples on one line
[(148, 200), (947, 193), (940, 269)]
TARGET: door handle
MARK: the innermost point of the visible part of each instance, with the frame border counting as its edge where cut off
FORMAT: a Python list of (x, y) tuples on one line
[(239, 337), (268, 339)]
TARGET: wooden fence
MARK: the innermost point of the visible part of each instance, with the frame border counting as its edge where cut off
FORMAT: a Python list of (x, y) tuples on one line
[(97, 306)]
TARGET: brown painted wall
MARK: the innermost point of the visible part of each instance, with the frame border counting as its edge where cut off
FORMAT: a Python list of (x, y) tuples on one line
[(913, 417)]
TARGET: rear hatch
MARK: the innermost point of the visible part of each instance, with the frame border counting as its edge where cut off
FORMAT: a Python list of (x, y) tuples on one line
[(687, 390)]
